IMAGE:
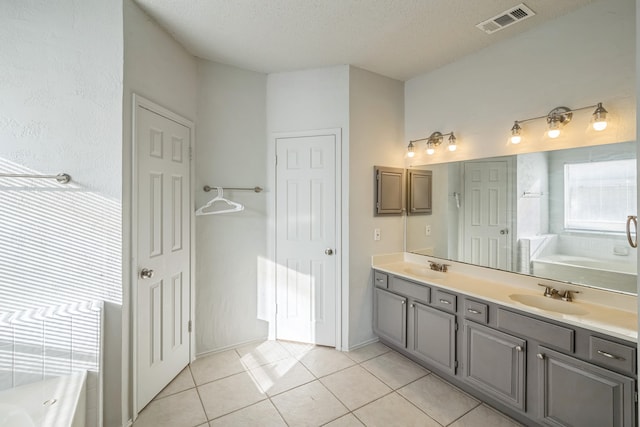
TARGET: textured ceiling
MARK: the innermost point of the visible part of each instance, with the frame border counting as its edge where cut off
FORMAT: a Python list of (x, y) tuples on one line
[(395, 38)]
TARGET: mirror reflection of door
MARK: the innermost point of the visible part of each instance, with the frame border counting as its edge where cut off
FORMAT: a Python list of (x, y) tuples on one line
[(487, 224)]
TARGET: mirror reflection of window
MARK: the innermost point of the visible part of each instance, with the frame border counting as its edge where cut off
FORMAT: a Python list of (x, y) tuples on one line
[(599, 195)]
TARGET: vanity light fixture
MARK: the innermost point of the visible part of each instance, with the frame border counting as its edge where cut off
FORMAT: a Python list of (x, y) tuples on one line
[(432, 142), (558, 118)]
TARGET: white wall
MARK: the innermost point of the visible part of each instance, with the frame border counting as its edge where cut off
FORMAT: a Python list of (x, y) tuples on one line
[(376, 112), (61, 111), (159, 69), (575, 60), (230, 248), (309, 99)]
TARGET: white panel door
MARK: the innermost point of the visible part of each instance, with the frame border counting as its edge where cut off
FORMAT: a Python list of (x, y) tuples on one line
[(486, 238), (163, 247), (306, 239)]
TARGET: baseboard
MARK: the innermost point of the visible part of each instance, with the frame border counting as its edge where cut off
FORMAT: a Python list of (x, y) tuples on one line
[(229, 347), (362, 344)]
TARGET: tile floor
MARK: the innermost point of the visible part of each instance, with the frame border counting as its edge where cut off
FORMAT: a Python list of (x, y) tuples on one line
[(276, 383)]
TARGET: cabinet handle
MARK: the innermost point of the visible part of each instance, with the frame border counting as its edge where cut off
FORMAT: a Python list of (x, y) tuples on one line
[(472, 311), (444, 301), (610, 356), (412, 305), (518, 348), (380, 280), (540, 356), (403, 302)]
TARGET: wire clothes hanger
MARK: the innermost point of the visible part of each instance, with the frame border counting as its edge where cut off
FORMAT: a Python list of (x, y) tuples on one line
[(232, 206)]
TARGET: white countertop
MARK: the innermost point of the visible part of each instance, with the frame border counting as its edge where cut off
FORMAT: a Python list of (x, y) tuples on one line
[(607, 312)]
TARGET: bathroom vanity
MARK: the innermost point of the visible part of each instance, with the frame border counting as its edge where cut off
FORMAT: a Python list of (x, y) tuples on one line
[(541, 360)]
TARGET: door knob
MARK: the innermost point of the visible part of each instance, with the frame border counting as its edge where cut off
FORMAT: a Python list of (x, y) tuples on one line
[(328, 251), (504, 231), (146, 273)]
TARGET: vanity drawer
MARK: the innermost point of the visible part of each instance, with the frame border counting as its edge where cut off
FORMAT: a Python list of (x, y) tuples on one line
[(445, 301), (547, 333), (381, 280), (410, 289), (612, 354), (476, 311)]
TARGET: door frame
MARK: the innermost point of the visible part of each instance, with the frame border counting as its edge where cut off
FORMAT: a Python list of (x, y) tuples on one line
[(341, 296), (140, 101)]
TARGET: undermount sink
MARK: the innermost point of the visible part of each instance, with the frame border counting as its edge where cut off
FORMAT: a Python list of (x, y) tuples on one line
[(549, 304), (422, 272)]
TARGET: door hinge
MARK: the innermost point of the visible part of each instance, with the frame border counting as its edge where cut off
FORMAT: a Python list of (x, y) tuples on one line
[(455, 328), (455, 364), (636, 396), (189, 326), (276, 160), (190, 153), (276, 308), (378, 176)]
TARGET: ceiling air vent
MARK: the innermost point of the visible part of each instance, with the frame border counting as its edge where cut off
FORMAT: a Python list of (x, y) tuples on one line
[(504, 19)]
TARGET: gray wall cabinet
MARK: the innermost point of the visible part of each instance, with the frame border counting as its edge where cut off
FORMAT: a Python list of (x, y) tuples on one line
[(389, 190), (539, 371), (419, 185)]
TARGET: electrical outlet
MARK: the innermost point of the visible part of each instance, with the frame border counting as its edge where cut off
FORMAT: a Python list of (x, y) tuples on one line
[(376, 234), (427, 230)]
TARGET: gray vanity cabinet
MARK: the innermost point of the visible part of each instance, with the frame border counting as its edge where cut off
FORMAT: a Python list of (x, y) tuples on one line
[(432, 336), (576, 393), (390, 317), (541, 371), (494, 362)]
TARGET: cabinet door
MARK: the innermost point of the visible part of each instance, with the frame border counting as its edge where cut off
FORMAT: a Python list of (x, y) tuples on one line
[(419, 191), (432, 336), (495, 363), (577, 393), (390, 317), (389, 190)]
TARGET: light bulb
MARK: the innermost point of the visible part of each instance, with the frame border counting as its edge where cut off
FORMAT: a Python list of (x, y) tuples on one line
[(600, 118), (410, 151), (554, 126), (600, 125), (430, 150), (452, 142), (515, 133)]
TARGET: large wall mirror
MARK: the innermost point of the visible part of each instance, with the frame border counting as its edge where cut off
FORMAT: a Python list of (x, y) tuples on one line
[(557, 215)]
